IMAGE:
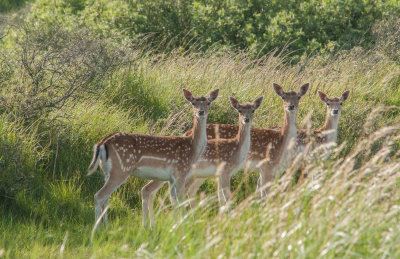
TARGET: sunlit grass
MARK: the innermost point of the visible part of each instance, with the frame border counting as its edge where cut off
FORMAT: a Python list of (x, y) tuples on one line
[(345, 206)]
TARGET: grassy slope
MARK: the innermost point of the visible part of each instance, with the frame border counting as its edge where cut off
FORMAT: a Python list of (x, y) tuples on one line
[(347, 206)]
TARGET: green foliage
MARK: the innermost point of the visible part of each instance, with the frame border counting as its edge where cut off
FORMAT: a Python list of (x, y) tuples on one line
[(21, 157), (259, 26), (9, 5)]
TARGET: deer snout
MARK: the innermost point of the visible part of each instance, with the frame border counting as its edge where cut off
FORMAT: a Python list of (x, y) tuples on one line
[(201, 112), (335, 111), (291, 107), (247, 120)]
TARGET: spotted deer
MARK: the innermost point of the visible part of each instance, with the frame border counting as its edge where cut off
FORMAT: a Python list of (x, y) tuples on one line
[(226, 156), (270, 148), (328, 132), (165, 158)]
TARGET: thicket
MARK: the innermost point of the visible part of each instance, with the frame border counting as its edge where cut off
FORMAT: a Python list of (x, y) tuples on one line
[(256, 26)]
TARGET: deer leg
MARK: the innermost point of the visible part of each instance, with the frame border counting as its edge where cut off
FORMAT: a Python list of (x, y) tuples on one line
[(174, 192), (148, 192), (224, 192), (105, 217), (101, 197), (192, 190), (267, 175), (171, 196)]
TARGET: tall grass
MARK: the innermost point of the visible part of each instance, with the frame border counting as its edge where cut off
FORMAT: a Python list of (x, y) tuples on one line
[(336, 210), (344, 206)]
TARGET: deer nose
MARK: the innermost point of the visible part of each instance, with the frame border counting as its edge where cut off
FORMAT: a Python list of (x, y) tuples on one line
[(291, 107), (335, 111), (201, 112), (247, 120)]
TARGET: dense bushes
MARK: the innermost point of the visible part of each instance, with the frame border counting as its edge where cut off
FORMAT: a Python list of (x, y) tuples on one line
[(260, 26)]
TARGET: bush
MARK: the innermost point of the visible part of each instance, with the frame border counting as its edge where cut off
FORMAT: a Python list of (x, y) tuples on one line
[(260, 26), (49, 66)]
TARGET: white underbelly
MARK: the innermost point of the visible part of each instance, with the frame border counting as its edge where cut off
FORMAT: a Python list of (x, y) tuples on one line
[(147, 172), (251, 164), (205, 172)]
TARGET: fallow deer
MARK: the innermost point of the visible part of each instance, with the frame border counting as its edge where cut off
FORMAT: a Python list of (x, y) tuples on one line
[(226, 156), (269, 149), (165, 158), (328, 132)]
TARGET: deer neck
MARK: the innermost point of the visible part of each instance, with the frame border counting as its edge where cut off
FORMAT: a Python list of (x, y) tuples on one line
[(243, 137), (289, 137), (331, 125), (289, 130), (199, 137)]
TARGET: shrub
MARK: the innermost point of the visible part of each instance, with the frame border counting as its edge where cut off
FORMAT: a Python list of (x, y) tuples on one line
[(260, 26), (49, 66)]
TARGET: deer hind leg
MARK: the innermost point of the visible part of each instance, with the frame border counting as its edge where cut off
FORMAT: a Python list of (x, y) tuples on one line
[(101, 197), (148, 192)]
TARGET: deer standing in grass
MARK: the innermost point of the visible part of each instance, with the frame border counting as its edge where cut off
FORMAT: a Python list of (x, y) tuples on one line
[(328, 132), (270, 149), (225, 156), (164, 158)]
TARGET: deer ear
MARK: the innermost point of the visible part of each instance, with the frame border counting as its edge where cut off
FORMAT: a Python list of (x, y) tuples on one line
[(213, 95), (278, 89), (234, 102), (322, 96), (258, 102), (188, 95), (303, 89), (345, 95)]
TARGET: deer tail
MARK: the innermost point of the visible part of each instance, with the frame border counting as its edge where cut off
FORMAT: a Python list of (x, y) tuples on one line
[(99, 152)]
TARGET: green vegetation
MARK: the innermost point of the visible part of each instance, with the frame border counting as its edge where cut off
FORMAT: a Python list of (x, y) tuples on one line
[(256, 26), (77, 71)]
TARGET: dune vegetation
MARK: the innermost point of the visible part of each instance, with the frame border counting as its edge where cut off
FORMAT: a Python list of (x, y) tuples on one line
[(72, 72)]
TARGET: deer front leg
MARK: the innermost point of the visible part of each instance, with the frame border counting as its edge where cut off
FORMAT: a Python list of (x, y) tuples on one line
[(267, 175), (148, 192), (192, 190), (224, 192)]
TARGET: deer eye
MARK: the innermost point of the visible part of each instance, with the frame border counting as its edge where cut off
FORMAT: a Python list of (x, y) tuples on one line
[(327, 104), (341, 103), (283, 98), (208, 103), (298, 97), (252, 111)]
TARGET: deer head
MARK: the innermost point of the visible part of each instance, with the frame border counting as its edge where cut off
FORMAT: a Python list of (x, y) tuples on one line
[(201, 105), (334, 105), (291, 98), (246, 110)]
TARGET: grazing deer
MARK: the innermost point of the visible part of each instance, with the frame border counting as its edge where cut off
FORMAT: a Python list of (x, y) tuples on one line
[(226, 156), (328, 132), (269, 149), (151, 157)]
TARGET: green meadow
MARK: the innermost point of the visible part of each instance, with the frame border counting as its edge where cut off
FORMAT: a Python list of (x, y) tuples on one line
[(73, 72)]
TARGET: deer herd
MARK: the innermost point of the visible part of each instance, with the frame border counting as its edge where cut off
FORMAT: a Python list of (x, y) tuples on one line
[(208, 150)]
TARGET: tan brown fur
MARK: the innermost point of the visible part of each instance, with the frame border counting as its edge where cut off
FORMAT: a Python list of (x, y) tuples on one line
[(151, 157), (328, 132), (228, 153), (269, 147)]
